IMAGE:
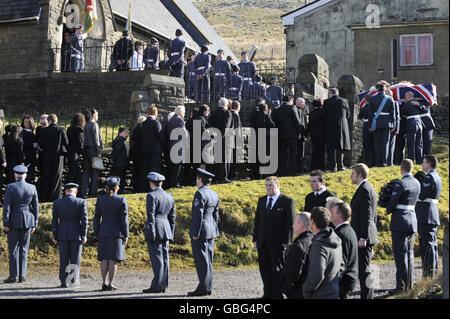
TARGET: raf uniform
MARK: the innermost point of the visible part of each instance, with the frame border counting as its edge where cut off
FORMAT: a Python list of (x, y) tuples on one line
[(234, 91), (382, 121), (159, 231), (258, 89), (403, 227), (427, 129), (191, 85), (76, 43), (202, 66), (69, 228), (413, 130), (274, 93), (203, 231), (400, 139), (247, 71), (151, 55), (393, 135), (176, 55), (428, 221), (20, 215), (222, 77)]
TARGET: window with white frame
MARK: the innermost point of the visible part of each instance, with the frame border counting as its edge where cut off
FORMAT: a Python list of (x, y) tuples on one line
[(416, 49)]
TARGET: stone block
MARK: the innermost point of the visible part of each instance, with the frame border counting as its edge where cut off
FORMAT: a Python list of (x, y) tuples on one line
[(153, 80), (139, 96)]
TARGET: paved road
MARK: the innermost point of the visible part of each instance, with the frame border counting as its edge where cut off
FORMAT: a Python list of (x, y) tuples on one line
[(228, 284)]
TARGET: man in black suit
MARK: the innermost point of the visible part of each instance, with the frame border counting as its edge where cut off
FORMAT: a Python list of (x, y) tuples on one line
[(317, 132), (300, 108), (337, 113), (123, 52), (152, 145), (119, 157), (289, 132), (340, 214), (318, 196), (136, 155), (364, 223), (180, 141), (53, 142), (222, 120), (272, 232), (239, 143)]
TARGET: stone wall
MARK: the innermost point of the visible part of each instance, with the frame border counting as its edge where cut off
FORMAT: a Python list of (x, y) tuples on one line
[(440, 115)]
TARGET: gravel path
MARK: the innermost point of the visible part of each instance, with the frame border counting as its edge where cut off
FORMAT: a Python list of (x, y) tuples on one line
[(228, 284)]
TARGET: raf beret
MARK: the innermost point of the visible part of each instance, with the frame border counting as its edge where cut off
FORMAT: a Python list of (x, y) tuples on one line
[(204, 173), (154, 40), (70, 185), (273, 78), (20, 169), (204, 48), (155, 177), (244, 52), (178, 32), (113, 181), (220, 51)]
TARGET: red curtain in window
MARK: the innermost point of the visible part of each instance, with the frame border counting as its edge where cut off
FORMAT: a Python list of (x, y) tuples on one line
[(408, 50), (425, 56)]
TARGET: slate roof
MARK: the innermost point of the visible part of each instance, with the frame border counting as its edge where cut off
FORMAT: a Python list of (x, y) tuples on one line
[(12, 10), (152, 15)]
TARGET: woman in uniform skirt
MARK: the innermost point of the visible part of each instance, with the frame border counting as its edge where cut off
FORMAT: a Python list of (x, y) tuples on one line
[(111, 229)]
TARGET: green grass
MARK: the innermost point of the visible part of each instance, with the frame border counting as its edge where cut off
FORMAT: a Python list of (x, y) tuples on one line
[(238, 204)]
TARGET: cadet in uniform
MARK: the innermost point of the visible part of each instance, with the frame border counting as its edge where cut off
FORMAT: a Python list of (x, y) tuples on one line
[(404, 225), (234, 91), (382, 123), (427, 128), (428, 215), (394, 133), (202, 66), (176, 55), (258, 89), (204, 229), (69, 227), (411, 110), (76, 42), (400, 138), (191, 81), (20, 219), (111, 228), (274, 93), (247, 71), (159, 231), (151, 55), (222, 75)]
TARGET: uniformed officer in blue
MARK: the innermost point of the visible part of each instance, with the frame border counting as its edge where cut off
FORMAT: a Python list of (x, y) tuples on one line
[(247, 71), (76, 43), (222, 75), (69, 227), (191, 81), (20, 219), (428, 215), (234, 91), (412, 110), (111, 227), (427, 128), (204, 229), (382, 123), (176, 55), (202, 67), (394, 133), (258, 89), (404, 225), (274, 93), (159, 230), (151, 55)]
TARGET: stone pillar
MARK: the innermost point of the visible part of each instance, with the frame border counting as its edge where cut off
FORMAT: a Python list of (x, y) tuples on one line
[(349, 87), (445, 265)]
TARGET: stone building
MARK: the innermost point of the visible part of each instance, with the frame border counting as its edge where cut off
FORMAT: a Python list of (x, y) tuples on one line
[(403, 40)]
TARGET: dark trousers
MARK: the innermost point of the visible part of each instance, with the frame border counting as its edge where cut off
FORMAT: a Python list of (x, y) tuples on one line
[(415, 145), (90, 175), (300, 155), (403, 247), (381, 145), (428, 248), (149, 163), (368, 146), (344, 291), (335, 156), (75, 174), (223, 169), (427, 137), (158, 251), (120, 172), (203, 251), (287, 157), (51, 183), (271, 261), (18, 243), (191, 88), (138, 180), (203, 87), (391, 149), (173, 173), (177, 69), (69, 254), (364, 272), (30, 161), (219, 87), (318, 152), (399, 152)]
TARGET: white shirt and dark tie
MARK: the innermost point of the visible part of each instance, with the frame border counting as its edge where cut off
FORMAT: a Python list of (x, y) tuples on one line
[(271, 200)]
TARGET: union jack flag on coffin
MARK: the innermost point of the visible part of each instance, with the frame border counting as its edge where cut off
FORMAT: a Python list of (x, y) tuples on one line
[(426, 91)]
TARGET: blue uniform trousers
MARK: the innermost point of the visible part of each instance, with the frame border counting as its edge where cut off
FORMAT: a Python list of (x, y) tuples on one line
[(219, 87), (428, 248), (391, 149), (191, 88), (403, 247), (69, 254), (76, 65), (427, 137), (159, 256), (203, 87), (381, 143), (368, 146), (203, 251), (415, 145), (18, 243), (177, 69)]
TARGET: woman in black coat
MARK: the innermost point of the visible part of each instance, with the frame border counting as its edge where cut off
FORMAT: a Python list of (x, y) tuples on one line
[(29, 145), (111, 228), (75, 135), (14, 151)]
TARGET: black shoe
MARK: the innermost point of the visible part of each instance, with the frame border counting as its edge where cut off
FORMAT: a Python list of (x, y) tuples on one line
[(104, 287), (198, 293), (111, 288), (10, 280), (63, 285), (22, 279), (153, 291)]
